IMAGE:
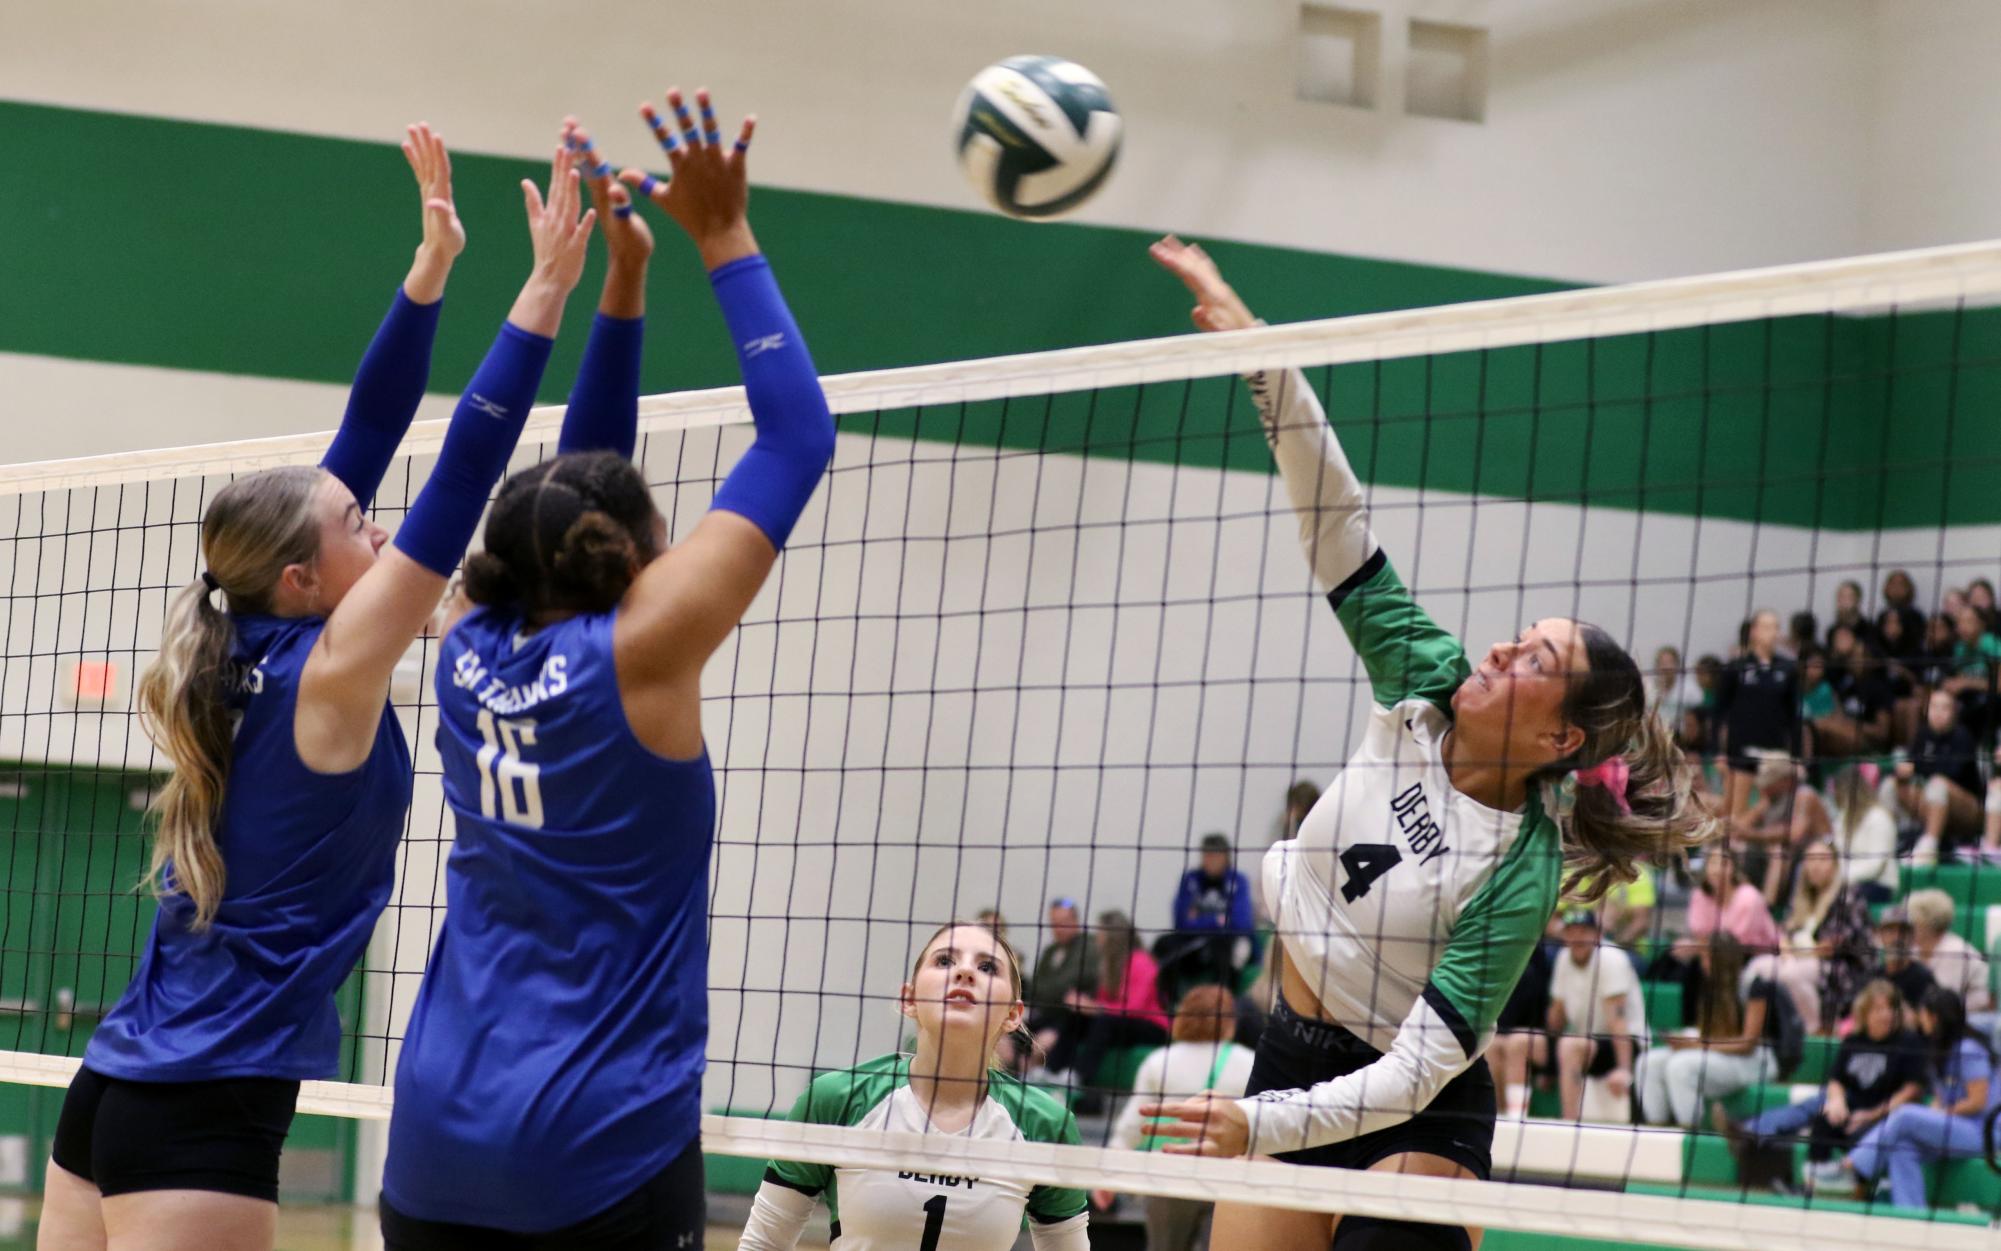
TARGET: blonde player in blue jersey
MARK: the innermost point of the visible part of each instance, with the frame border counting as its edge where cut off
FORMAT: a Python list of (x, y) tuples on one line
[(549, 1089), (1408, 904), (964, 995), (277, 833)]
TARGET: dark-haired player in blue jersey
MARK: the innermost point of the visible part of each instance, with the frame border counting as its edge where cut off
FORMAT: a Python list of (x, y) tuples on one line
[(277, 838), (549, 1090)]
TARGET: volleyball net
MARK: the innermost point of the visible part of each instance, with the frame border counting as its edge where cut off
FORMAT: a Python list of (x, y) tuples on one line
[(1047, 625)]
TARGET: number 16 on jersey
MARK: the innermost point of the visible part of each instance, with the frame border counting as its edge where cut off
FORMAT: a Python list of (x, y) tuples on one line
[(504, 775)]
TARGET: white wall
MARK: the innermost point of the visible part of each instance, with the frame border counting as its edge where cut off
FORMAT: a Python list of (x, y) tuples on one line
[(1624, 138), (1935, 124)]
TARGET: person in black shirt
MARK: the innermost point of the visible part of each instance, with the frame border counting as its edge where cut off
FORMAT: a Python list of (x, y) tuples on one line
[(1879, 1068), (1758, 707), (1848, 612), (1939, 783), (1900, 967), (1900, 598), (1860, 722)]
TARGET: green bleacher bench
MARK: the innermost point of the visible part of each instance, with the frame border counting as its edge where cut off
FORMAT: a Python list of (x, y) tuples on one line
[(1728, 1192), (1973, 887), (1663, 1004)]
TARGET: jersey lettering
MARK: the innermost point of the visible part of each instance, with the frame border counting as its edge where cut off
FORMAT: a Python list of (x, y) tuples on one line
[(1413, 817), (938, 1179), (470, 673), (504, 775)]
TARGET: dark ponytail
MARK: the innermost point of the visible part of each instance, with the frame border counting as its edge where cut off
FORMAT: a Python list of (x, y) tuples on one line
[(567, 535)]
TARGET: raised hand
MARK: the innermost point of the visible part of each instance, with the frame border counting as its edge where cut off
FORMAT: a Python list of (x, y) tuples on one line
[(1217, 306), (444, 235), (628, 240), (559, 238), (708, 191), (1207, 1124)]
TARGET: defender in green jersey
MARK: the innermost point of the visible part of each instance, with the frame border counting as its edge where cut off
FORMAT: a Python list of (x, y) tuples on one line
[(1417, 886), (964, 995)]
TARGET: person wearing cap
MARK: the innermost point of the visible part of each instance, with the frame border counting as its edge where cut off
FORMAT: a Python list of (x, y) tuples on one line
[(1596, 1012), (1213, 917), (1898, 967)]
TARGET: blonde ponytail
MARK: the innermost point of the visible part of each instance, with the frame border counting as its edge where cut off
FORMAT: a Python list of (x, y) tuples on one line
[(254, 528), (1654, 815)]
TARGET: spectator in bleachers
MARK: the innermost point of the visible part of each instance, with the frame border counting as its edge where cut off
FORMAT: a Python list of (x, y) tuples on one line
[(1951, 1128), (1733, 1045), (1299, 800), (1848, 614), (1802, 632), (1950, 602), (1955, 963), (1215, 924), (1816, 692), (1672, 691), (1980, 596), (1628, 908), (1757, 707), (1898, 964), (993, 920), (1976, 659), (1520, 1044), (1708, 678), (1068, 963), (1939, 782), (1865, 834), (1784, 815), (1878, 1069), (1900, 599), (1899, 644), (1829, 942), (1597, 1013), (1723, 901), (1860, 721), (1125, 1011), (1199, 1056)]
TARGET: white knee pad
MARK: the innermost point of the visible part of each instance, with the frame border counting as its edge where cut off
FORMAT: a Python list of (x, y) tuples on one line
[(1935, 790)]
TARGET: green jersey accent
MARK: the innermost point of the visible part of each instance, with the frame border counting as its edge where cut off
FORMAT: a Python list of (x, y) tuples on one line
[(1405, 652), (875, 1210), (1499, 927)]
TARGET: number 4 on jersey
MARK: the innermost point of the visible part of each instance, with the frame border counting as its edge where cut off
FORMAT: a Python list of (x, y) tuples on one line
[(1365, 862)]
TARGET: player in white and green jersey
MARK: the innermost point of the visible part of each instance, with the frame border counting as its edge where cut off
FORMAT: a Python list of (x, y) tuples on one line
[(1408, 904), (964, 995)]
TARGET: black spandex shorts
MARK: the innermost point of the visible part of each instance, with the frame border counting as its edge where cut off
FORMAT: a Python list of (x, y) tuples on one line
[(1296, 1053), (1604, 1057), (669, 1211), (223, 1136)]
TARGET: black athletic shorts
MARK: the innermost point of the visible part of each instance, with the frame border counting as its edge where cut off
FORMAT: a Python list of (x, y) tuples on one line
[(223, 1136), (669, 1212), (1604, 1057), (1296, 1053)]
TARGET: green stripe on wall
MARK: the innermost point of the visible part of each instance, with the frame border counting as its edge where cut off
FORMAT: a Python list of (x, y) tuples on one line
[(238, 250)]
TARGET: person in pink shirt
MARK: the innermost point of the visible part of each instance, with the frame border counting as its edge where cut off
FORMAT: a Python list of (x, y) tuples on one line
[(1125, 1011), (1725, 901)]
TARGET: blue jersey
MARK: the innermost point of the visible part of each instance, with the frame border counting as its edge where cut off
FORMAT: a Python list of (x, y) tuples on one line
[(309, 861), (554, 1056)]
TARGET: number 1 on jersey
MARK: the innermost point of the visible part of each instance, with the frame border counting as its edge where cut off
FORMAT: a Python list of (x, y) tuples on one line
[(1365, 862), (502, 770), (934, 1223)]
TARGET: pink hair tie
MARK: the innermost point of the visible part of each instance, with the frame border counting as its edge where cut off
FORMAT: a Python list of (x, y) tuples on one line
[(1871, 773), (1612, 774)]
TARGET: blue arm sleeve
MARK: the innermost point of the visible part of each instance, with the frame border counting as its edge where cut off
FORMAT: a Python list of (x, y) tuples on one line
[(387, 389), (795, 433), (604, 405), (485, 427)]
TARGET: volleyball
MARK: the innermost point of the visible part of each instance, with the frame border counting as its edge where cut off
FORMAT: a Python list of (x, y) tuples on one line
[(1036, 135)]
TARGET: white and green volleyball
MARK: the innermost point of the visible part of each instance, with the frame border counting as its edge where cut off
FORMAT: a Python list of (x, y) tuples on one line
[(1037, 135)]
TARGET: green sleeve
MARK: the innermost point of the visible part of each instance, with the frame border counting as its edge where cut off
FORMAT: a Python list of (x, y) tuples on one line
[(810, 1179), (1049, 1204), (1405, 652), (843, 1097), (1497, 932)]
